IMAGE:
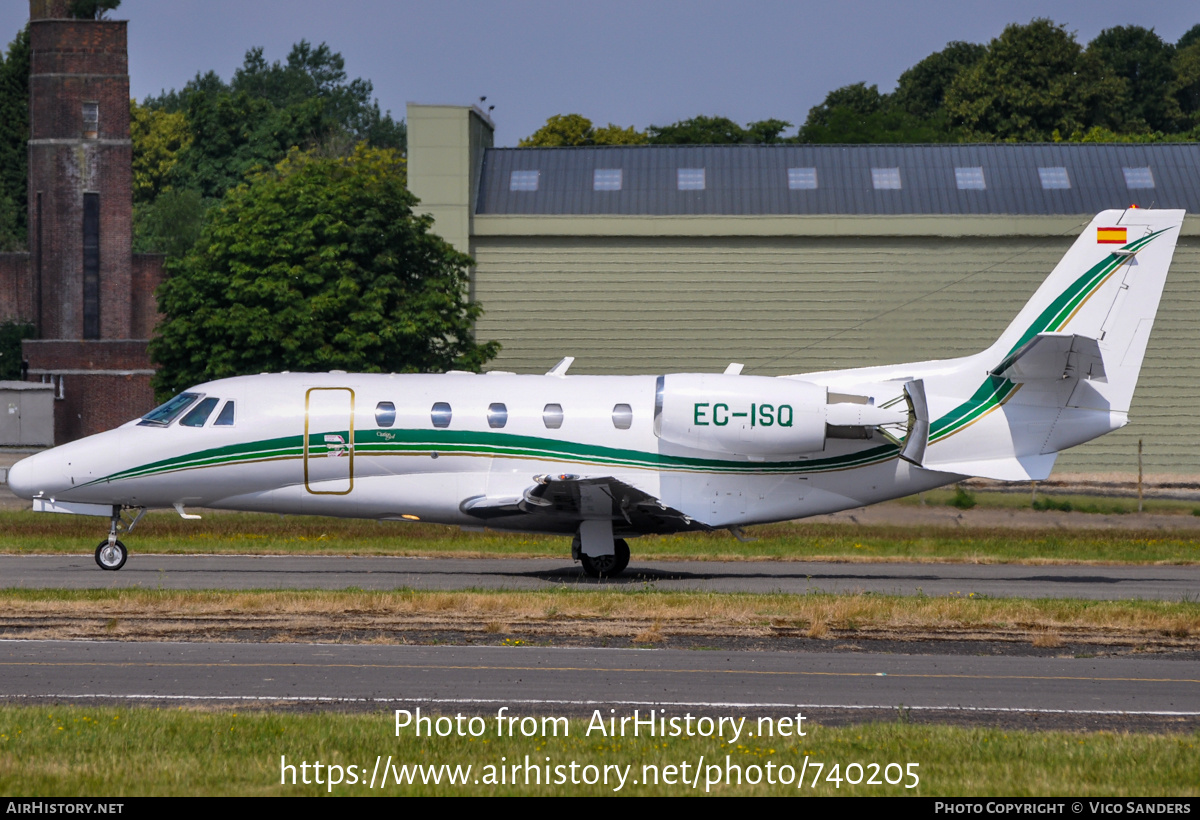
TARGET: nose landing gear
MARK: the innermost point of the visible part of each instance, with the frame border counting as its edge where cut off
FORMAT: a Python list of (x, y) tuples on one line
[(111, 553)]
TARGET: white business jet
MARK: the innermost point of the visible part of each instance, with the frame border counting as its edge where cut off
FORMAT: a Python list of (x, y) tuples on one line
[(605, 458)]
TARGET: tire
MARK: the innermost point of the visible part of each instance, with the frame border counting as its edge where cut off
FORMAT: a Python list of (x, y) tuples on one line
[(607, 566), (111, 558)]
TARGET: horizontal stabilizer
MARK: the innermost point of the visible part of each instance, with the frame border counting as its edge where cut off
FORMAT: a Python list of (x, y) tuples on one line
[(1054, 356)]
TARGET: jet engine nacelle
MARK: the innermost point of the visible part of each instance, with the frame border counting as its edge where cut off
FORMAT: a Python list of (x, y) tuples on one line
[(745, 415)]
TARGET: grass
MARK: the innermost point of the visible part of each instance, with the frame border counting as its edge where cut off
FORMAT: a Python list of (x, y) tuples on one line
[(67, 751), (643, 616), (964, 498), (225, 533)]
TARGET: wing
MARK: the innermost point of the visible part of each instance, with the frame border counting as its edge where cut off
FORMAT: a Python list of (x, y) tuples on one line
[(560, 503)]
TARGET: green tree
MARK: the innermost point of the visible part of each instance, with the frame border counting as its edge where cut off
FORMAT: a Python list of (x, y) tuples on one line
[(858, 113), (233, 134), (697, 131), (11, 334), (14, 139), (319, 73), (91, 9), (268, 109), (1189, 37), (1034, 80), (921, 91), (158, 136), (319, 263), (767, 132), (1142, 61), (1186, 88), (563, 130), (171, 223), (717, 131)]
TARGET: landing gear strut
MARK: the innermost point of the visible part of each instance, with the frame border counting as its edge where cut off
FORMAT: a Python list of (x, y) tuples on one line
[(111, 553)]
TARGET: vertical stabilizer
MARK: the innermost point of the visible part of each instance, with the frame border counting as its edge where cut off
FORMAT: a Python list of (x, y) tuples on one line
[(1107, 288)]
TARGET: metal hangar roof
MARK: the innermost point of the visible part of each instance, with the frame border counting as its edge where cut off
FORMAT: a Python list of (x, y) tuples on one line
[(747, 180)]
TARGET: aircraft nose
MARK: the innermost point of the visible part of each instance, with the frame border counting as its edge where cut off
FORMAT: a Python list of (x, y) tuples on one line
[(22, 478), (38, 473)]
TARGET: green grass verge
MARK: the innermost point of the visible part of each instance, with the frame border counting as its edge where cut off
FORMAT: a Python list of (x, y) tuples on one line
[(1064, 502), (80, 751), (226, 533)]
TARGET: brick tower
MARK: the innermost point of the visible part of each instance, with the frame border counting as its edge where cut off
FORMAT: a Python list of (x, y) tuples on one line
[(92, 301)]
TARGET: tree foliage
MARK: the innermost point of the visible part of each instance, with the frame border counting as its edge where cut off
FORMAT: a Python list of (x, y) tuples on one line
[(704, 130), (318, 263), (91, 9), (14, 138), (1035, 80), (564, 130), (11, 334), (207, 136), (921, 90), (1142, 63), (158, 136)]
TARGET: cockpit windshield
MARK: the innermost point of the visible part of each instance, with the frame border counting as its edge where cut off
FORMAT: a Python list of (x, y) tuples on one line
[(164, 414)]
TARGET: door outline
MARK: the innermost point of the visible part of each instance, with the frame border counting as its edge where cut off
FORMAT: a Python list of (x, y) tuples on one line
[(349, 444)]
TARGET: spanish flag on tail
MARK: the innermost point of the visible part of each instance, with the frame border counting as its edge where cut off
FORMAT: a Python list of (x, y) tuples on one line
[(1110, 236)]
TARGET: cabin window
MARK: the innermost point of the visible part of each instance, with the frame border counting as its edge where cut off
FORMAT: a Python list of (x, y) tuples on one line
[(385, 414), (497, 415), (552, 416), (622, 416), (440, 414), (225, 417), (200, 413), (164, 414)]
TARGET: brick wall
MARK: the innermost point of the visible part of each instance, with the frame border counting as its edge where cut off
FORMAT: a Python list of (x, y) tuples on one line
[(73, 63), (100, 383), (95, 402), (147, 276), (16, 288)]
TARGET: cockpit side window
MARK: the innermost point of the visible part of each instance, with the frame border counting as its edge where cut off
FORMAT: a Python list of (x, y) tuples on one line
[(225, 417), (164, 414), (200, 413)]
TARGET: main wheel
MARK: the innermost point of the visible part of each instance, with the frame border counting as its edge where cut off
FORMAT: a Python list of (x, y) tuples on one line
[(111, 557), (607, 566)]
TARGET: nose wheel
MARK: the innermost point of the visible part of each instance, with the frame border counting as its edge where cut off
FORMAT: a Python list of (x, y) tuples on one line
[(111, 555)]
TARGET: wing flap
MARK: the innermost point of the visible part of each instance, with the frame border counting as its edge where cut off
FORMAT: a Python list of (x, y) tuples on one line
[(566, 501)]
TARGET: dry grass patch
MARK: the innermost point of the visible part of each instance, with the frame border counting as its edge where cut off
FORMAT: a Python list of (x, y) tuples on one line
[(355, 615)]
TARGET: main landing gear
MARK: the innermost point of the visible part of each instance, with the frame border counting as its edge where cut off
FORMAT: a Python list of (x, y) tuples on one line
[(602, 555), (607, 566), (111, 553)]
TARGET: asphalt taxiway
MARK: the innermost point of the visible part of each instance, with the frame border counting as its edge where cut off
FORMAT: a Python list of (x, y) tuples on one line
[(1095, 582), (573, 680)]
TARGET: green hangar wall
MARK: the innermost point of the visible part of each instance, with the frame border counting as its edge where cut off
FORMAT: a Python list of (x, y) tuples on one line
[(680, 283)]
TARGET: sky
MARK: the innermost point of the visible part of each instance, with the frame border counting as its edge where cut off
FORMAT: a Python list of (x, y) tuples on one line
[(628, 62)]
